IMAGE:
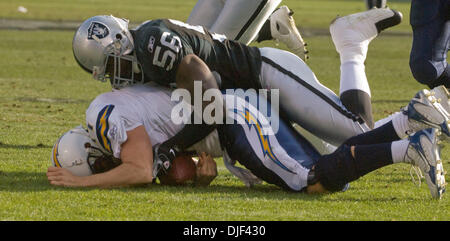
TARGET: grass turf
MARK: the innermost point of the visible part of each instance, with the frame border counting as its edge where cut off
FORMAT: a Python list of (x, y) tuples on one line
[(43, 93)]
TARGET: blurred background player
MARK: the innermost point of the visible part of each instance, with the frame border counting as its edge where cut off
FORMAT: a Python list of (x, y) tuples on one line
[(375, 3), (250, 20), (430, 22)]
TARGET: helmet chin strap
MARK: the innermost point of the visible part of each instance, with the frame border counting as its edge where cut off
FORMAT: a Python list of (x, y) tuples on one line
[(136, 68)]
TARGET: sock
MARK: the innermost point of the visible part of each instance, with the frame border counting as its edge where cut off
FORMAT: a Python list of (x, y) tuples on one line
[(355, 91), (383, 121), (372, 157), (340, 167), (353, 76), (398, 149), (264, 33), (401, 124), (383, 134), (354, 53)]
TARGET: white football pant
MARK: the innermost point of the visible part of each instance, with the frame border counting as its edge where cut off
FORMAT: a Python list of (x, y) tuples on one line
[(305, 100), (239, 20)]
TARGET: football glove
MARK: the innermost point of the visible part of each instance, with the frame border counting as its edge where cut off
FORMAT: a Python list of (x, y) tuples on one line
[(162, 159)]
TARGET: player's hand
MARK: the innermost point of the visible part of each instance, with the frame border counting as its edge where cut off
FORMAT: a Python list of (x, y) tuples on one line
[(62, 177), (206, 170)]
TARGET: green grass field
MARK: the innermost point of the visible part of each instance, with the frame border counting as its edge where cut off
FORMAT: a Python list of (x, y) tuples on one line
[(43, 93)]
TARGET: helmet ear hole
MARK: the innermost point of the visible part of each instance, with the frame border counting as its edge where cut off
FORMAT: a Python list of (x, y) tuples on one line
[(119, 36)]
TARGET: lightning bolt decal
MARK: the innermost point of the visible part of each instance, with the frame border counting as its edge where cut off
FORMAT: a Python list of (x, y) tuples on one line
[(263, 139)]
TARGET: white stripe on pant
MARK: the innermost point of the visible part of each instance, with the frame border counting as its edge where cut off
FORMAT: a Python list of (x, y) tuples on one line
[(305, 100)]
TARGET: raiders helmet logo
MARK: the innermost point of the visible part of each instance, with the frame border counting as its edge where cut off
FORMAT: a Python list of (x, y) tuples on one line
[(98, 29)]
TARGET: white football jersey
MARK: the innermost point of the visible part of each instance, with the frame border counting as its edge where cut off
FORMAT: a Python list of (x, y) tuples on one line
[(112, 114)]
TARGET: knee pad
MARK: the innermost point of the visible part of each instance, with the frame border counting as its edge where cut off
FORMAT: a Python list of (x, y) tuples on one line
[(337, 169)]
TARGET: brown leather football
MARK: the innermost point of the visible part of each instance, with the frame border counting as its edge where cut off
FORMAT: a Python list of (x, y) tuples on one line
[(183, 170)]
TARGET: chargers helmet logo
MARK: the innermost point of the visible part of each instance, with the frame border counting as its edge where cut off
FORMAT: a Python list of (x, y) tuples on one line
[(98, 29)]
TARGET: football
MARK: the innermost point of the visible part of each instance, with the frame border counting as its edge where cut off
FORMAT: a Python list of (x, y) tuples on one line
[(182, 171)]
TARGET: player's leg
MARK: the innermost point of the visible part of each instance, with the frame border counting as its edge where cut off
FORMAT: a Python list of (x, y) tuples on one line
[(205, 12), (241, 20), (423, 111), (350, 163), (282, 158), (305, 100), (351, 36), (431, 42)]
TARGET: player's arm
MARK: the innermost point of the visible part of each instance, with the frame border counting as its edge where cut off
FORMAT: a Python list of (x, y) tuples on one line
[(192, 68), (136, 168)]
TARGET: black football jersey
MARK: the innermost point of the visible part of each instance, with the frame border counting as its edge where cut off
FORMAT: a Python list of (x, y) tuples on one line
[(161, 44)]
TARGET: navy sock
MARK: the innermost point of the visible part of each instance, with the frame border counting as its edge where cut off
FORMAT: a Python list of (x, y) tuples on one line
[(340, 167), (369, 158), (382, 134)]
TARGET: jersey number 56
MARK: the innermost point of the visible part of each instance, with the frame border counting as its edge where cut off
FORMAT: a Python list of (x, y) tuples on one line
[(173, 44)]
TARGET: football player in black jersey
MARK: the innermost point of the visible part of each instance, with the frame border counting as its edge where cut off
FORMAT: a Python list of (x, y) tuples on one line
[(173, 53)]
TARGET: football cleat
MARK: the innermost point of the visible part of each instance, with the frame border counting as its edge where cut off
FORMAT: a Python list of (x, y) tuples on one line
[(442, 96), (357, 30), (425, 111), (283, 29), (423, 152)]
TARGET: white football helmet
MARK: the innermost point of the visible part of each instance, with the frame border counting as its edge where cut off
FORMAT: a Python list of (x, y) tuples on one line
[(100, 38), (75, 151)]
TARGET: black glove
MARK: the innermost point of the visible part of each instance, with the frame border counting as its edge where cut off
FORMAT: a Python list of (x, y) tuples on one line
[(162, 159)]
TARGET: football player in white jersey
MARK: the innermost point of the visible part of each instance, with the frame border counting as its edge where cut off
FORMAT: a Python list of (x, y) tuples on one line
[(124, 127), (250, 20)]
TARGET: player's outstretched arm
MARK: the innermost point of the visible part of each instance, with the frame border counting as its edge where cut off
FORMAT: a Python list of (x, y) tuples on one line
[(192, 68), (136, 168)]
